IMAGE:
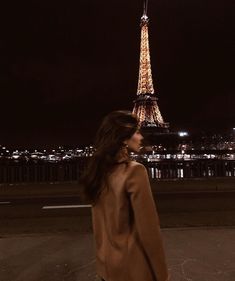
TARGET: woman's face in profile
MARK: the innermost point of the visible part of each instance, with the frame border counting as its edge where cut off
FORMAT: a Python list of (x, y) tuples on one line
[(135, 142)]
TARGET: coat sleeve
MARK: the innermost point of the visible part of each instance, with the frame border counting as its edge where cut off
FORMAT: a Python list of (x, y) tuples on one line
[(146, 219)]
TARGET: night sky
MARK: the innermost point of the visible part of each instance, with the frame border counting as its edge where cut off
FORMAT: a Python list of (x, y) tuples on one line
[(66, 65)]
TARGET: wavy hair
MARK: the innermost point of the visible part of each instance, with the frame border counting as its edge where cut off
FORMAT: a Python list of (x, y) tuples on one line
[(115, 128)]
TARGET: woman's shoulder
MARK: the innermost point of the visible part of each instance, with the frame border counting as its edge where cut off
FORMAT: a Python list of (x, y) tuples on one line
[(134, 166), (136, 177)]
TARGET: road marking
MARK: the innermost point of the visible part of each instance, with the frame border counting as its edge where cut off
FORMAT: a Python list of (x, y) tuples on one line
[(66, 207), (5, 202)]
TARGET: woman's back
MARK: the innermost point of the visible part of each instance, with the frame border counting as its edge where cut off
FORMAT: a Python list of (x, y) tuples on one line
[(126, 228)]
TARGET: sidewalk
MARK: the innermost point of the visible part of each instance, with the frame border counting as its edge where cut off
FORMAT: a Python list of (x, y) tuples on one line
[(193, 254)]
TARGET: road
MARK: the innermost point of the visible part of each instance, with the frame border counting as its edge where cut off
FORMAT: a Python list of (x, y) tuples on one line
[(56, 214)]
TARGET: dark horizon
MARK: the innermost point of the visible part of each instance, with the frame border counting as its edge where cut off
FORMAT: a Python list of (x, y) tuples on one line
[(63, 68)]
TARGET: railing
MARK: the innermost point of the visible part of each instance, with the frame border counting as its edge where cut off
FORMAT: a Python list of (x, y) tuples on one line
[(191, 169), (25, 172)]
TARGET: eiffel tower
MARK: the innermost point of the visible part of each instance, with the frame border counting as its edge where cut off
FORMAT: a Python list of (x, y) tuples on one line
[(145, 105)]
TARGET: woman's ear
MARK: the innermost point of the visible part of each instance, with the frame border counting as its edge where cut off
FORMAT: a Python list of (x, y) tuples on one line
[(125, 143)]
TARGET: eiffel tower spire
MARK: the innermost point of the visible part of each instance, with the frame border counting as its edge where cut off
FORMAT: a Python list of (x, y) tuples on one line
[(145, 83), (145, 106)]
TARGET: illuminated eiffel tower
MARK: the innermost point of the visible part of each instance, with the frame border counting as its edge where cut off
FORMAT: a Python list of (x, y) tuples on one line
[(145, 106)]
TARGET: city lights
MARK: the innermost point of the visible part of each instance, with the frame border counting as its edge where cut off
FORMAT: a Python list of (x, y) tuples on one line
[(207, 148)]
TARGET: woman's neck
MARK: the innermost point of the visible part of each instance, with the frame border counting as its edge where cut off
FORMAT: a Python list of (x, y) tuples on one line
[(122, 156)]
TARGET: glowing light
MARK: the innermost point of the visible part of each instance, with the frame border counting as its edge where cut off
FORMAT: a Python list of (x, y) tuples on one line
[(183, 134)]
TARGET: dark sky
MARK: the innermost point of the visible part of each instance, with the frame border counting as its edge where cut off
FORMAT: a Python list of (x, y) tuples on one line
[(66, 65)]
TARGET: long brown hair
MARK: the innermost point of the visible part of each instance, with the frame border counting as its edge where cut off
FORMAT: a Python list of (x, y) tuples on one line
[(116, 127)]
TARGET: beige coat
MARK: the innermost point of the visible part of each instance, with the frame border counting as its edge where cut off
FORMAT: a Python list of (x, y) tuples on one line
[(126, 226)]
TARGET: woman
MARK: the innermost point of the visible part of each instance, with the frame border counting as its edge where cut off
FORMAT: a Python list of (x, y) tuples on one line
[(127, 235)]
